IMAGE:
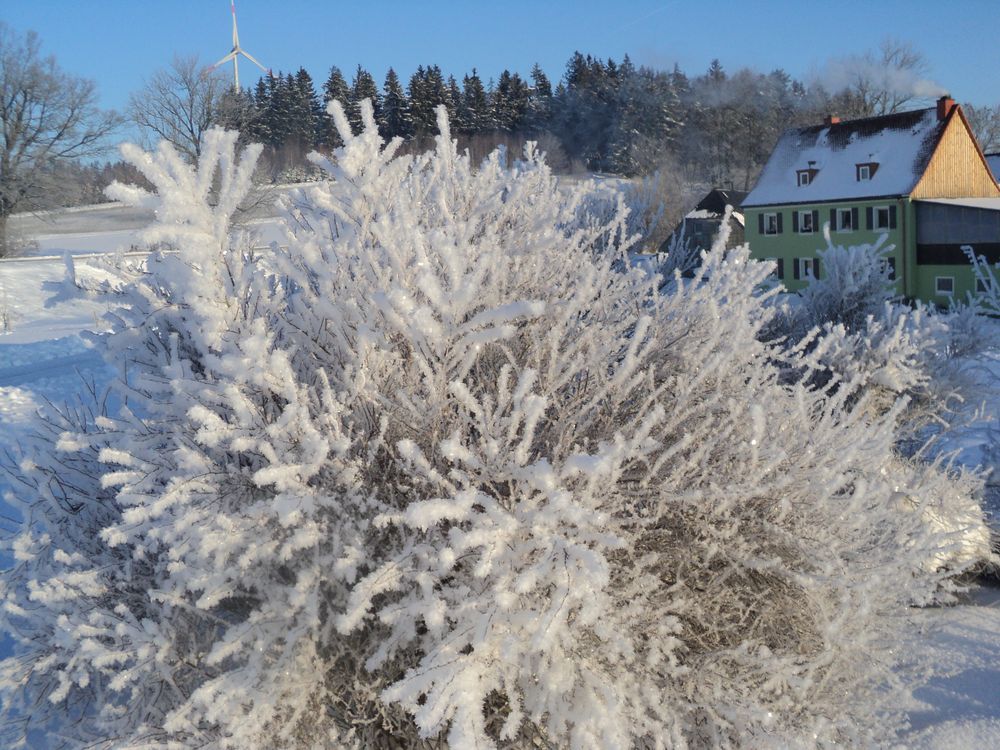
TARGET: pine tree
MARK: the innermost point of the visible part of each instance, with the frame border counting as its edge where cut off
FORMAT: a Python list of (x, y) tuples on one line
[(510, 102), (454, 99), (427, 90), (474, 111), (395, 108), (539, 101), (645, 122), (307, 113), (335, 89), (363, 87)]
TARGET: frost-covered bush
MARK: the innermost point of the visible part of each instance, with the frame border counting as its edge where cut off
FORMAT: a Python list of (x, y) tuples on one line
[(856, 330), (433, 472), (853, 287)]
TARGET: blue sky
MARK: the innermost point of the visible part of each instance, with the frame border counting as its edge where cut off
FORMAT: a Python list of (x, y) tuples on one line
[(118, 43)]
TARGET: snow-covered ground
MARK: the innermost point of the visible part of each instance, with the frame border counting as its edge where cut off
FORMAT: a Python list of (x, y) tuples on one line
[(43, 359)]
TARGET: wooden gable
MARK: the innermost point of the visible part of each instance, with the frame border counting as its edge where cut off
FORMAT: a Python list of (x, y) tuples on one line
[(957, 168)]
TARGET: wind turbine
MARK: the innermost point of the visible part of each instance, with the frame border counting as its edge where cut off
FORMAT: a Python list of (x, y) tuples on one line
[(236, 51)]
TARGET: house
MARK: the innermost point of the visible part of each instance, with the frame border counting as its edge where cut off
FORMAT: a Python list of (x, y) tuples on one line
[(700, 225), (918, 177), (993, 160)]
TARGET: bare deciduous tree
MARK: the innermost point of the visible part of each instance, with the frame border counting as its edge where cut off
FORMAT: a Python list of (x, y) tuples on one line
[(985, 124), (881, 82), (48, 116), (178, 105)]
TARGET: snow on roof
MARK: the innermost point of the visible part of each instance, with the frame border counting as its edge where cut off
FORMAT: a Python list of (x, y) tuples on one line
[(993, 160), (992, 204), (900, 144), (700, 213)]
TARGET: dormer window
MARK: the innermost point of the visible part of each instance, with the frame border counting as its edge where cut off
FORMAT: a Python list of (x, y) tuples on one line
[(865, 171), (805, 176)]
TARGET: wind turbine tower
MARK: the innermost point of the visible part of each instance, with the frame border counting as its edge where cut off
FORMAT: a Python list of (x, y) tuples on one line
[(236, 51)]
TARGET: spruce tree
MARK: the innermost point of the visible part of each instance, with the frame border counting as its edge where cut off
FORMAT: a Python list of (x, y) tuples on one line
[(539, 100), (510, 102), (363, 87), (335, 89), (306, 112), (474, 111), (396, 118), (427, 91)]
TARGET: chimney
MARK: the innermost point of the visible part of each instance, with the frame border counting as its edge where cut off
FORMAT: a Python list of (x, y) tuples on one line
[(831, 120), (944, 106)]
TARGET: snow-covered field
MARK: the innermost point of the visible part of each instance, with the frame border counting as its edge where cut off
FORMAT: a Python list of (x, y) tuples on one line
[(42, 358)]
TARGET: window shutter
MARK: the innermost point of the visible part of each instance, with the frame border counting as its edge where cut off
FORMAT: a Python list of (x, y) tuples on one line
[(892, 217), (795, 221), (781, 268), (760, 223), (833, 220), (869, 219), (854, 219), (816, 268), (892, 269), (795, 267), (780, 230), (816, 226)]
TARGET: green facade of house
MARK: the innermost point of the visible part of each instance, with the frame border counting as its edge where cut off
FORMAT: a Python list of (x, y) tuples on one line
[(917, 178)]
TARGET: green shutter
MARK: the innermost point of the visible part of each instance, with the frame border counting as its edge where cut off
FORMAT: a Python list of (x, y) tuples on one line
[(795, 267), (795, 221), (816, 268), (854, 219), (869, 218), (816, 226), (892, 217), (760, 222), (781, 268), (780, 230), (833, 220)]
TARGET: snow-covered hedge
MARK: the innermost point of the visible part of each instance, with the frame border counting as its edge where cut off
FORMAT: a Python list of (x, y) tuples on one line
[(435, 469)]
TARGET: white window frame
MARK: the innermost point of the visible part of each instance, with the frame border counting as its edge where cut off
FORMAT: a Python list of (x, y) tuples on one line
[(864, 172), (841, 212), (807, 269), (804, 177), (937, 285), (768, 224), (875, 221), (802, 216)]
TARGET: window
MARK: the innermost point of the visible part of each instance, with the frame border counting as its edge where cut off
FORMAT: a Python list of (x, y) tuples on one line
[(806, 268), (864, 172), (944, 284), (881, 217), (845, 219), (805, 222), (771, 224), (805, 177)]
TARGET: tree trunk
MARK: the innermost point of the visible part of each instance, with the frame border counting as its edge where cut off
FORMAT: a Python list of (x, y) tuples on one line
[(4, 244)]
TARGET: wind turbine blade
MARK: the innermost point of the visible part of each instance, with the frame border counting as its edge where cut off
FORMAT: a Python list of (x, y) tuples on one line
[(227, 58), (236, 36), (253, 59)]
